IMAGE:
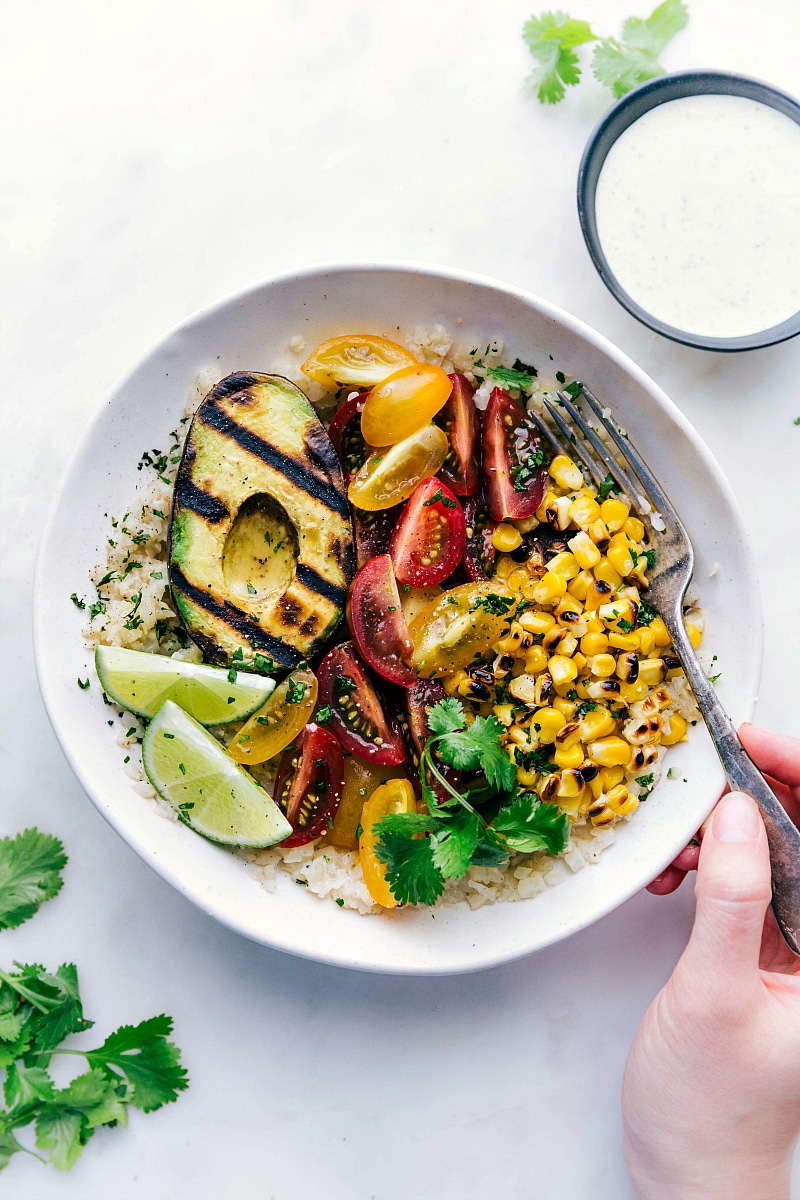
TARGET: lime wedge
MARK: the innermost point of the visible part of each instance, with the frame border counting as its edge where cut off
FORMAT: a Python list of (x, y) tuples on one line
[(208, 790), (142, 682)]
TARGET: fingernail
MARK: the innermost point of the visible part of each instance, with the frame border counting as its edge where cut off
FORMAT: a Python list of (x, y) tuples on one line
[(736, 819)]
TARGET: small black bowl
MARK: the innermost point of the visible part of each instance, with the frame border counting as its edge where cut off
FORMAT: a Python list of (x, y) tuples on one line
[(616, 121)]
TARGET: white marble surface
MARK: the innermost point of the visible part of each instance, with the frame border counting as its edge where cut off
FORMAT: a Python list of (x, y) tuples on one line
[(154, 157)]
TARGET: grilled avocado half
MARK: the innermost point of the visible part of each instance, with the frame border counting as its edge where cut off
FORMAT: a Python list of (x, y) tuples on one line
[(260, 543)]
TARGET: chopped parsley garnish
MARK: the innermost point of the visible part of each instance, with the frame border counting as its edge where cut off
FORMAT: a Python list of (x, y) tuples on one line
[(439, 497), (608, 486), (646, 615), (343, 685), (76, 600), (586, 706), (518, 381), (83, 684), (238, 654), (494, 605), (232, 675), (646, 782), (295, 691), (519, 365), (625, 625), (264, 664), (251, 591), (324, 714)]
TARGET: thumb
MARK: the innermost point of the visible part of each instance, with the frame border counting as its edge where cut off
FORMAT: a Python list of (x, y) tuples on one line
[(733, 890)]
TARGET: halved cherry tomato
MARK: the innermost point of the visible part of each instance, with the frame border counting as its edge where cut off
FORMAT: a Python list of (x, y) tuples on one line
[(373, 531), (377, 624), (414, 600), (279, 721), (429, 538), (456, 631), (308, 786), (360, 781), (360, 359), (514, 465), (480, 552), (414, 705), (396, 796), (357, 717), (391, 473), (345, 433), (461, 421), (403, 403)]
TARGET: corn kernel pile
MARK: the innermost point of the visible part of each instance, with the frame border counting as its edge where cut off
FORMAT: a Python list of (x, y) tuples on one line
[(581, 680)]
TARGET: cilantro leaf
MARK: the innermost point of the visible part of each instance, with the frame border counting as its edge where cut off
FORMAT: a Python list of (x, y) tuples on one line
[(528, 825), (59, 1131), (551, 38), (479, 746), (505, 376), (454, 846), (622, 65), (8, 1146), (25, 1085), (150, 1063), (30, 866), (446, 716), (652, 33), (412, 874)]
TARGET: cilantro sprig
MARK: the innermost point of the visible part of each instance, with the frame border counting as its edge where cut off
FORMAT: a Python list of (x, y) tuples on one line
[(30, 873), (620, 65), (421, 851)]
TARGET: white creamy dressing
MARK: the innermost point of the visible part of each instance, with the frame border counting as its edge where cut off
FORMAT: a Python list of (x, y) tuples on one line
[(698, 214)]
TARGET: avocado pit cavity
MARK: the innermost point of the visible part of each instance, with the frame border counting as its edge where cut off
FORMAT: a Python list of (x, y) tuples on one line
[(259, 559)]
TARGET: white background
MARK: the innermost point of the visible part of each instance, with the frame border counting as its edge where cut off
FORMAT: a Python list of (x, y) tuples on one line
[(154, 157)]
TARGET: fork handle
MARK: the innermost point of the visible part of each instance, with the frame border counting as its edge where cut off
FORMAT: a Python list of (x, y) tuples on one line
[(744, 776)]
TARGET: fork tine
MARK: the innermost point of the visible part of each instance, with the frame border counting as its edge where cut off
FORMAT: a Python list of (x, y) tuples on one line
[(612, 466), (633, 458), (572, 447), (546, 433)]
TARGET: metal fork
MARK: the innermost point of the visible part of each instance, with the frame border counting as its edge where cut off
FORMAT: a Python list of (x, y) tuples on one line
[(669, 579)]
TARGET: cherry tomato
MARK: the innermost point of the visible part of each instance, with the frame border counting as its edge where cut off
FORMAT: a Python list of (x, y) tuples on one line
[(377, 624), (414, 600), (345, 433), (413, 706), (514, 466), (396, 796), (429, 538), (360, 781), (403, 403), (279, 721), (360, 359), (457, 630), (391, 473), (308, 786), (461, 421), (357, 717), (373, 531), (480, 553)]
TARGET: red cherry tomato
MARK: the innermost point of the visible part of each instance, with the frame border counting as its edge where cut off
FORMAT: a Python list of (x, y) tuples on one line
[(461, 421), (429, 538), (345, 433), (480, 553), (357, 718), (514, 465), (377, 623), (308, 786)]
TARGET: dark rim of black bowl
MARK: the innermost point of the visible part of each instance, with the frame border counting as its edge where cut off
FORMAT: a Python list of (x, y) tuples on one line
[(616, 121)]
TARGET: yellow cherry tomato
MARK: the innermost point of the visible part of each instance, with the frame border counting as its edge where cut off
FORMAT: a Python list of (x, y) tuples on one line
[(360, 781), (403, 403), (279, 721), (391, 473), (456, 629), (396, 796), (359, 359)]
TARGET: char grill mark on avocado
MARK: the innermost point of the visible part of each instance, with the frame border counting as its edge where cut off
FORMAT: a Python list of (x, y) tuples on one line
[(239, 621), (302, 478), (203, 503), (323, 587)]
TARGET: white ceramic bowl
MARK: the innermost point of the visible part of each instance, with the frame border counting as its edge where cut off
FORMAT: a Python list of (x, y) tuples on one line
[(251, 331)]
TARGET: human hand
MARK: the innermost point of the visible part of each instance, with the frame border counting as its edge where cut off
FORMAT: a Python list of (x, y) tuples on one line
[(711, 1095)]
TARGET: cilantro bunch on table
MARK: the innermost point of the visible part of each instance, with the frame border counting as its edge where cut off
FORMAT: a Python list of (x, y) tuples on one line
[(621, 64), (422, 850), (136, 1066)]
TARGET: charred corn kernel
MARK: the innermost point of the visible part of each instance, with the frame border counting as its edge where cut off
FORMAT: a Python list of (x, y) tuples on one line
[(579, 660), (570, 783), (506, 538), (528, 588), (609, 752), (564, 564), (523, 688), (452, 682), (504, 713), (527, 778), (602, 665), (623, 641), (511, 641), (518, 667), (464, 688), (598, 533), (584, 509), (549, 498), (579, 586), (597, 594), (642, 757), (614, 513), (550, 721), (607, 573), (618, 554), (537, 622), (651, 671), (596, 725), (562, 670), (617, 796), (567, 707), (595, 785), (659, 631), (544, 689), (647, 639), (559, 513), (628, 667), (594, 643), (569, 609), (633, 692), (568, 756), (526, 524), (695, 635), (551, 587), (677, 730), (619, 615), (521, 736), (594, 624), (611, 776), (569, 735), (641, 730), (634, 529), (628, 806), (517, 579), (603, 689), (584, 549), (504, 567), (660, 698), (535, 660), (565, 473), (606, 816)]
